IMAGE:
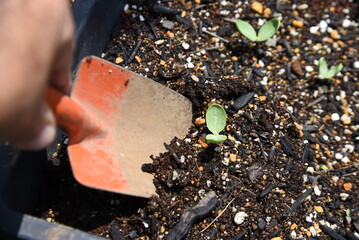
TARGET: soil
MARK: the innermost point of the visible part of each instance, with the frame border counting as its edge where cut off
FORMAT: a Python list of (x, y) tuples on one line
[(290, 163)]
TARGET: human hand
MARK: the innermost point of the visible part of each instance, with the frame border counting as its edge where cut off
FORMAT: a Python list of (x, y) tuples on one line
[(36, 45)]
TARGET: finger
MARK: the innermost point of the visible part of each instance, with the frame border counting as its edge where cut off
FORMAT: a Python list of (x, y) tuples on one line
[(43, 132), (60, 76)]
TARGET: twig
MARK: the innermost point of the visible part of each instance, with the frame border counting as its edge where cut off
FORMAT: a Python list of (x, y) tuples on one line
[(229, 20), (214, 35), (220, 214), (173, 154), (134, 52), (319, 99), (205, 206)]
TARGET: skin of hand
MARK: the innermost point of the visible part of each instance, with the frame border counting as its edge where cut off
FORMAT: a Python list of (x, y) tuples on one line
[(36, 46)]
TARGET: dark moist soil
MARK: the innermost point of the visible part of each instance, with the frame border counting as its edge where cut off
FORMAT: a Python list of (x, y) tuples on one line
[(290, 163)]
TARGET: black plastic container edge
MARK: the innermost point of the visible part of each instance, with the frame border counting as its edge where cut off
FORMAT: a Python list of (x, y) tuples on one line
[(21, 172)]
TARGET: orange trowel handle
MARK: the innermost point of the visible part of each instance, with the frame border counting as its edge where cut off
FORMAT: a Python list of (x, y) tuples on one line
[(70, 115)]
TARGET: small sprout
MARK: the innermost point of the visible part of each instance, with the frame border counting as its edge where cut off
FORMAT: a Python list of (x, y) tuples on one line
[(328, 73), (265, 32), (216, 122)]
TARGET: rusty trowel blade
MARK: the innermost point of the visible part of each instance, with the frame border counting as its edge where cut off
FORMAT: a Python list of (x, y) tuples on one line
[(137, 115)]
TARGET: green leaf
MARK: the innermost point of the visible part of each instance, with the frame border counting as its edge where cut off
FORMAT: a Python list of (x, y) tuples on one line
[(216, 118), (323, 67), (334, 70), (246, 29), (211, 138), (268, 30)]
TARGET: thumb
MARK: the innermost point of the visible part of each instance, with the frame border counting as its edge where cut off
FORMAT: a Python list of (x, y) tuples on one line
[(44, 131)]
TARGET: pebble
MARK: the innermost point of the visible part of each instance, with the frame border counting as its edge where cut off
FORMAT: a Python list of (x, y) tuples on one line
[(199, 121), (314, 29), (119, 60), (261, 223), (302, 6), (356, 64), (257, 7), (309, 68), (335, 117), (239, 217), (323, 25), (346, 23), (347, 186), (267, 12), (310, 169), (346, 119), (334, 34), (185, 45), (297, 23), (317, 191), (344, 196), (345, 160), (167, 24), (318, 209), (159, 42), (338, 156)]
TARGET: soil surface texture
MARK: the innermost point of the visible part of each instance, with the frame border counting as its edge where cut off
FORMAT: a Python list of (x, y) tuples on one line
[(289, 167)]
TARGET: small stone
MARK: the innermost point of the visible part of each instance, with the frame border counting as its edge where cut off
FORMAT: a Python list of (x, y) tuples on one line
[(170, 34), (344, 196), (267, 12), (297, 23), (195, 78), (313, 29), (310, 169), (335, 117), (240, 217), (347, 186), (232, 157), (338, 156), (261, 223), (202, 142), (346, 23), (317, 191), (293, 226), (199, 121), (185, 45), (318, 209), (334, 34), (119, 60), (138, 59), (276, 238), (308, 219), (356, 64), (323, 25), (262, 98), (302, 6), (309, 68), (167, 24), (345, 119), (159, 42), (257, 7)]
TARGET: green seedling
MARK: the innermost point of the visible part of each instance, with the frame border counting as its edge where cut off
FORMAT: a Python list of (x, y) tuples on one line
[(216, 122), (265, 32), (328, 73)]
